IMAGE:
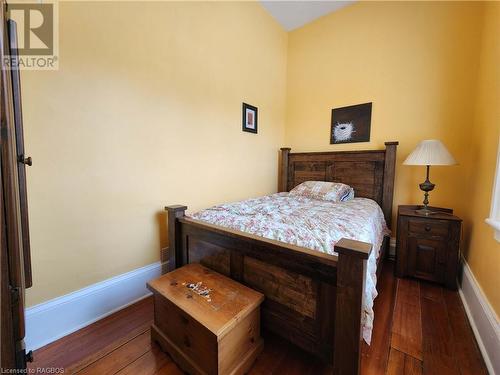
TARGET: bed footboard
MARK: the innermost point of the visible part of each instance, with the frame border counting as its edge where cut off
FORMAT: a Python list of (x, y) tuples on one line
[(312, 299)]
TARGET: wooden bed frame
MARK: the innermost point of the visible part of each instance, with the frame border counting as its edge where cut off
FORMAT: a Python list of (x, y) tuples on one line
[(312, 299)]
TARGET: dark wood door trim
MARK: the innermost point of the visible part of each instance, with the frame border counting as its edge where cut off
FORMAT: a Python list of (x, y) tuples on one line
[(22, 159), (13, 260)]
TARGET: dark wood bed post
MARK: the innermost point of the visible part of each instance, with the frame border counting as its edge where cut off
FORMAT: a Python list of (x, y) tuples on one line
[(389, 173), (351, 274), (283, 180), (174, 237)]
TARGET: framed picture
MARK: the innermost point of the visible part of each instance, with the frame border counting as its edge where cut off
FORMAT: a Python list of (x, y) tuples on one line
[(250, 118), (351, 124)]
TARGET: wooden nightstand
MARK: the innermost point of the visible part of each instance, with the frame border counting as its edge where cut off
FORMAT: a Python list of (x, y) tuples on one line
[(427, 247)]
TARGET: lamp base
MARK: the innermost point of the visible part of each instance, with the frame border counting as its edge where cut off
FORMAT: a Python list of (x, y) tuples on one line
[(426, 186)]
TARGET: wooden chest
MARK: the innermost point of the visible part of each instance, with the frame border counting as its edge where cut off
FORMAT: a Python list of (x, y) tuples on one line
[(206, 333)]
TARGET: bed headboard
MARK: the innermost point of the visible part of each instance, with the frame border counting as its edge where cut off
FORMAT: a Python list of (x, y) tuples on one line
[(370, 172)]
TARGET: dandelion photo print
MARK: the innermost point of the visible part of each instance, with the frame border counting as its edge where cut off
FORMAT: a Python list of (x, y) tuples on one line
[(351, 124)]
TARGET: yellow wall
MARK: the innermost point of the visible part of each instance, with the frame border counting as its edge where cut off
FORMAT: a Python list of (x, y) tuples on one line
[(144, 111), (415, 61), (418, 63), (483, 252)]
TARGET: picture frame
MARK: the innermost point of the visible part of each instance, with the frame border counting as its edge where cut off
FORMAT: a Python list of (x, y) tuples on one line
[(351, 124), (249, 118)]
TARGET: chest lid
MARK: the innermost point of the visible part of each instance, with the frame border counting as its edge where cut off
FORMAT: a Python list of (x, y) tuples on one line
[(210, 298)]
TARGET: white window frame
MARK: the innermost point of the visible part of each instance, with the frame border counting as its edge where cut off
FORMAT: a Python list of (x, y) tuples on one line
[(494, 219)]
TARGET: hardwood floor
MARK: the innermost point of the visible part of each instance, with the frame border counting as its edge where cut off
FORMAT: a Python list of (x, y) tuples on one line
[(420, 328)]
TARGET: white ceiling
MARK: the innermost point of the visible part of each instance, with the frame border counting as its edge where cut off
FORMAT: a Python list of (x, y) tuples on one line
[(293, 14)]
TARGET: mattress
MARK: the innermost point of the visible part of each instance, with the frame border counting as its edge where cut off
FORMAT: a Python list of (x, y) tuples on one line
[(310, 223)]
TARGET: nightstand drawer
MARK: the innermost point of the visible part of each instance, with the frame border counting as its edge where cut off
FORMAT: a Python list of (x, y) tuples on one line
[(428, 228)]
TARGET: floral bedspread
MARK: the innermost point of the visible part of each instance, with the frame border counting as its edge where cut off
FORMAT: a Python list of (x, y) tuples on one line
[(310, 223)]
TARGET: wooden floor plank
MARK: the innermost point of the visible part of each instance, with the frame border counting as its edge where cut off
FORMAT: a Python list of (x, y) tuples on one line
[(296, 362), (84, 362), (467, 354), (396, 365), (403, 364), (408, 290), (275, 350), (120, 357), (148, 364), (169, 369), (120, 343), (431, 291), (438, 347), (375, 356), (413, 366), (407, 320), (78, 349)]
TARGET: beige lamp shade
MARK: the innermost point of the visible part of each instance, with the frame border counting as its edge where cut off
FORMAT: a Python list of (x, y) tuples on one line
[(430, 152)]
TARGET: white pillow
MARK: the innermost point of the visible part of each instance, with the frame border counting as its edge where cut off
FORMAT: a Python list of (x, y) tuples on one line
[(322, 190)]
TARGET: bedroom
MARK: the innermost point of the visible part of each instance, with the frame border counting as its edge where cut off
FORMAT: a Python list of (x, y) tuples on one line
[(139, 116)]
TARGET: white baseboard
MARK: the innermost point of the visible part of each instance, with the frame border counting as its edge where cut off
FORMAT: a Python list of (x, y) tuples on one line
[(63, 315), (482, 318)]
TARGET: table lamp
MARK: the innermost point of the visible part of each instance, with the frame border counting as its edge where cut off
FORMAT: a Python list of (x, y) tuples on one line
[(429, 152)]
